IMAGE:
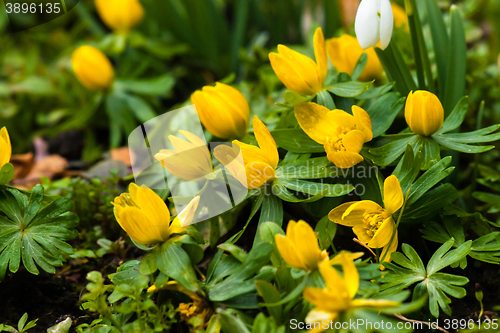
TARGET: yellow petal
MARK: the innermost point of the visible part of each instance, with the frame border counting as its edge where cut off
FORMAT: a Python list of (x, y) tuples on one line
[(353, 141), (344, 159), (374, 303), (340, 118), (258, 173), (5, 147), (319, 317), (289, 74), (306, 244), (289, 253), (232, 160), (150, 203), (363, 122), (392, 249), (185, 217), (358, 208), (140, 228), (266, 142), (334, 283), (351, 275), (223, 110), (320, 55), (424, 112), (120, 15), (361, 232), (393, 195), (383, 235), (325, 300), (304, 66), (188, 164), (92, 68), (315, 122), (350, 256), (251, 153), (336, 214)]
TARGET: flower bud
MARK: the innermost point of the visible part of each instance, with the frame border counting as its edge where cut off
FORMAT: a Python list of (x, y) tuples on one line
[(92, 68), (5, 147), (120, 15), (344, 53), (374, 23), (223, 110), (424, 112)]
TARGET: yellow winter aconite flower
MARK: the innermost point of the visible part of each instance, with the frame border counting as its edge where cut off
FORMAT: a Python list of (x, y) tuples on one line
[(120, 15), (92, 68), (257, 165), (373, 224), (190, 160), (342, 134), (298, 72), (344, 53), (400, 17), (338, 295), (146, 218), (5, 147), (299, 248), (223, 110), (424, 112)]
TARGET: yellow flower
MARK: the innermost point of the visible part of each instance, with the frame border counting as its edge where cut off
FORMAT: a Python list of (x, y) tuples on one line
[(338, 295), (400, 17), (299, 248), (146, 218), (190, 160), (120, 15), (298, 72), (373, 224), (223, 110), (342, 134), (423, 112), (5, 147), (92, 68), (258, 165), (344, 53)]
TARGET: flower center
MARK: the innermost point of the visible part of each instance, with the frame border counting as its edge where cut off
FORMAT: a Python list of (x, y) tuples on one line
[(335, 143), (373, 221)]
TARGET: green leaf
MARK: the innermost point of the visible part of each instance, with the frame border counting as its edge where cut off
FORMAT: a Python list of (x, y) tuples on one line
[(333, 190), (375, 92), (440, 41), (240, 282), (454, 88), (324, 98), (6, 173), (326, 231), (360, 66), (312, 168), (436, 285), (173, 261), (293, 98), (159, 86), (33, 233), (429, 148), (430, 203), (295, 140), (456, 117), (270, 295), (431, 177), (272, 210), (236, 251), (384, 111), (462, 147), (231, 322), (349, 89), (388, 153)]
